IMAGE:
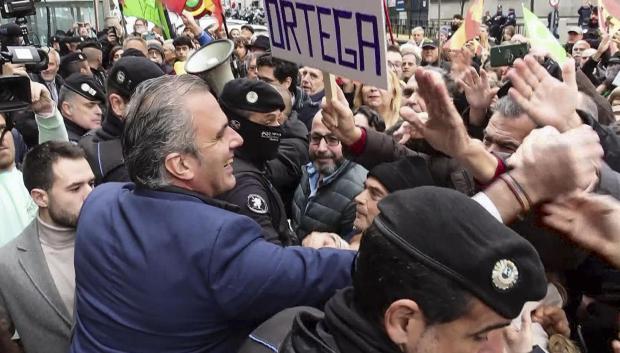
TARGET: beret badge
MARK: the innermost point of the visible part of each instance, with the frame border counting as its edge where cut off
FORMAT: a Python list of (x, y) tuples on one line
[(504, 275), (251, 97)]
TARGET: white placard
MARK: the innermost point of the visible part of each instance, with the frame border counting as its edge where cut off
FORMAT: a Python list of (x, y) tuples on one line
[(343, 37)]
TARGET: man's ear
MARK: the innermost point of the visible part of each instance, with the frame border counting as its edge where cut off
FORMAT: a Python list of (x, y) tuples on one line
[(404, 322), (39, 196), (179, 166), (117, 104), (287, 82), (66, 109)]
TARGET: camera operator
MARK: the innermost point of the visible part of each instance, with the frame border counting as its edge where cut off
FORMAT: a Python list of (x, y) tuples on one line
[(17, 206)]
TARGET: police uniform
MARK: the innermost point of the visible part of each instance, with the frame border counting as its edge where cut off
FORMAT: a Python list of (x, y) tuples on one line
[(67, 60), (98, 73), (438, 228), (87, 87), (103, 145), (254, 192)]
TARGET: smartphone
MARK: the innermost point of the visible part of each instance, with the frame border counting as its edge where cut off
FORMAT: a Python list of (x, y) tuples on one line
[(149, 36), (505, 55)]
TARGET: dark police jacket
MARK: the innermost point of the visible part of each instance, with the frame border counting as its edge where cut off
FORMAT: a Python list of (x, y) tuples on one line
[(332, 208), (173, 271), (104, 151), (258, 199), (340, 329)]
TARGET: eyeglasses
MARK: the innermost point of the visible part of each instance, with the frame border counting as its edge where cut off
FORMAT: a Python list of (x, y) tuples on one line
[(331, 140)]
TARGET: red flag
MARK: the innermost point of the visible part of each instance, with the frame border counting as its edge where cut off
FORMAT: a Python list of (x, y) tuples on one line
[(175, 6), (612, 6), (218, 12)]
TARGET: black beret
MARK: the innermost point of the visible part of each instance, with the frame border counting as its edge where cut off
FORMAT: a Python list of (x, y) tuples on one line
[(89, 44), (260, 42), (67, 60), (86, 86), (72, 57), (405, 173), (133, 52), (457, 238), (128, 72), (251, 95)]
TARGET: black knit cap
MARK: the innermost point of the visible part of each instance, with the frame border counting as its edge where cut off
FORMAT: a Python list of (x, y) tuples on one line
[(128, 72), (251, 95), (455, 237), (405, 173)]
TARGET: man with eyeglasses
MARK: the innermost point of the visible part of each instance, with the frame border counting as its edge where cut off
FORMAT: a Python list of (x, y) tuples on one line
[(324, 201)]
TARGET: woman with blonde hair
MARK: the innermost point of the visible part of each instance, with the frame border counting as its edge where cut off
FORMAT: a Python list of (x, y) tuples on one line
[(385, 102)]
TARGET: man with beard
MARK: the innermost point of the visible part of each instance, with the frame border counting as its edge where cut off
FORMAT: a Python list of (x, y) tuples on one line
[(323, 202), (37, 277), (17, 206), (253, 109)]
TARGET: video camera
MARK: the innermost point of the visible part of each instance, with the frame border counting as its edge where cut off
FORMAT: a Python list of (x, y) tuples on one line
[(16, 48)]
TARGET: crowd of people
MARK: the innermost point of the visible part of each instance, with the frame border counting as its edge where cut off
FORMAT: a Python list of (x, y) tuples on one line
[(465, 208)]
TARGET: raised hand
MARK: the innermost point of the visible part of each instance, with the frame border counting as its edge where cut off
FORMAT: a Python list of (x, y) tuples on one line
[(444, 130), (559, 164), (338, 118), (591, 221), (477, 90), (546, 100), (42, 103)]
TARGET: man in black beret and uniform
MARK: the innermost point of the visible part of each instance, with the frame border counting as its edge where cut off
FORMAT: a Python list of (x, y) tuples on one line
[(79, 103), (435, 273), (94, 57), (74, 63), (103, 146), (253, 108)]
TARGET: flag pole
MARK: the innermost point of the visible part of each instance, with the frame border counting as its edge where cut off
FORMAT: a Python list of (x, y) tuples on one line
[(171, 29), (389, 22)]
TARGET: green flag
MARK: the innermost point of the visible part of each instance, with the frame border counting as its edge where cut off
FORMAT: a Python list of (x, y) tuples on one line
[(152, 10), (540, 36)]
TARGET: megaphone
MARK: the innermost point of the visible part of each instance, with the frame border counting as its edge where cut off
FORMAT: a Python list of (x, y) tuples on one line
[(212, 64)]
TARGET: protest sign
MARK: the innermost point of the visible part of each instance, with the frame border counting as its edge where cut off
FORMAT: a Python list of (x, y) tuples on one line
[(345, 38)]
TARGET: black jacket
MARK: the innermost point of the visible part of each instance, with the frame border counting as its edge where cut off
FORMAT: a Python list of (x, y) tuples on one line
[(258, 199), (341, 329), (285, 171), (332, 208), (104, 151)]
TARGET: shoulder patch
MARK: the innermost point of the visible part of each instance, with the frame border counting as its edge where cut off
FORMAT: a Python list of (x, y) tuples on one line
[(257, 204)]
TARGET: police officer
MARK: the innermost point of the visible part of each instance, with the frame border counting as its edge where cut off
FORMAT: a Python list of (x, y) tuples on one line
[(103, 146), (93, 52), (74, 63), (79, 103), (435, 273), (253, 108)]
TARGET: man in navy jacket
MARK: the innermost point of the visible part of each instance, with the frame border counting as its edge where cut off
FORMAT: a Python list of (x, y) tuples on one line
[(161, 266)]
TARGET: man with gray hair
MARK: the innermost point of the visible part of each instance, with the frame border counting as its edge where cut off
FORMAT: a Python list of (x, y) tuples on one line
[(161, 265), (508, 127)]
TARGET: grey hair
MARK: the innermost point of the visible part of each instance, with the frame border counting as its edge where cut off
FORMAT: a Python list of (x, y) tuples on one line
[(159, 123), (508, 107), (65, 95)]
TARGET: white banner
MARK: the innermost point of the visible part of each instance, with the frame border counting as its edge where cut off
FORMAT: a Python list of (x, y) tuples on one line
[(344, 37)]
